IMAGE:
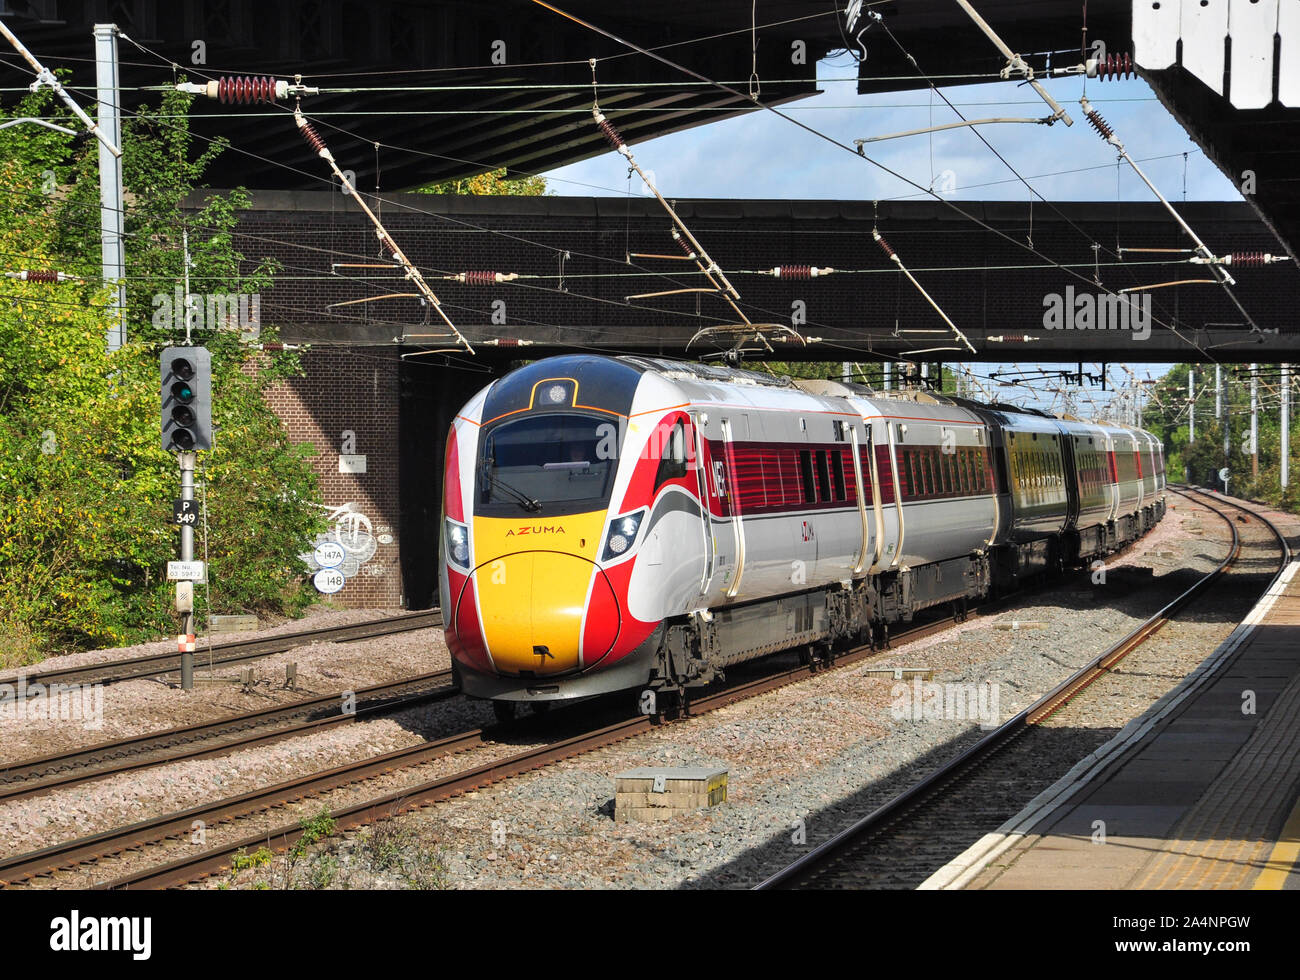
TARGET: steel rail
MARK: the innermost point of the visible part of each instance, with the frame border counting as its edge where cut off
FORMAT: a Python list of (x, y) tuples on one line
[(61, 856), (28, 777), (231, 651), (823, 858), (192, 867)]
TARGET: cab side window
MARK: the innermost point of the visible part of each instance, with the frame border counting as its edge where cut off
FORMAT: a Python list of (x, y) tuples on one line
[(672, 461)]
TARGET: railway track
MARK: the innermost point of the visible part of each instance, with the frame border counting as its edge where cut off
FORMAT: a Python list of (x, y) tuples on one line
[(35, 776), (150, 833), (228, 652), (155, 831), (858, 855)]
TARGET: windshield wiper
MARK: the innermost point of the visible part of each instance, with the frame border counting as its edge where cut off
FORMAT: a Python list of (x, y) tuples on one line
[(521, 498)]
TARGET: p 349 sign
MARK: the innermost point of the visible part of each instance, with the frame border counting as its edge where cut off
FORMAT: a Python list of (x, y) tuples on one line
[(185, 513)]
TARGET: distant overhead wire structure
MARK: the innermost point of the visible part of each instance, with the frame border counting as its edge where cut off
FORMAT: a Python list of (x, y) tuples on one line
[(237, 91), (692, 251), (1014, 67)]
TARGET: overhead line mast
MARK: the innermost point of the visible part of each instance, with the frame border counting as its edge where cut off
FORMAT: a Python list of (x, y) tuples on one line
[(317, 143)]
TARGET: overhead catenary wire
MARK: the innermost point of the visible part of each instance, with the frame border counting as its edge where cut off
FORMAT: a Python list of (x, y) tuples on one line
[(318, 144), (457, 221), (1005, 162), (1054, 264), (834, 141), (894, 257), (45, 78), (1107, 133)]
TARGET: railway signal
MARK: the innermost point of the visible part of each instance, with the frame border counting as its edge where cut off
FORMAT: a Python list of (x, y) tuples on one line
[(186, 399)]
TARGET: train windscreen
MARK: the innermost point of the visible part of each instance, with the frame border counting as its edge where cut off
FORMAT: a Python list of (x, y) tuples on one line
[(547, 464)]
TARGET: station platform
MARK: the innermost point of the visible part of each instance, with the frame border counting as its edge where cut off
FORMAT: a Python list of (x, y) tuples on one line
[(1195, 794)]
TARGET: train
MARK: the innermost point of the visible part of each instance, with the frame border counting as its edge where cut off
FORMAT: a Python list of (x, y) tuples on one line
[(627, 523)]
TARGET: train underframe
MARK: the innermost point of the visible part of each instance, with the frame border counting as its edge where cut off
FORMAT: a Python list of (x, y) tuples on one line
[(696, 649)]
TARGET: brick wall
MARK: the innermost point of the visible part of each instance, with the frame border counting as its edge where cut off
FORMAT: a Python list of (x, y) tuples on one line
[(354, 391)]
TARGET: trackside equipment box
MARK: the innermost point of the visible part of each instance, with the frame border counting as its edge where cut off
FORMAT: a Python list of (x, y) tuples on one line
[(653, 794)]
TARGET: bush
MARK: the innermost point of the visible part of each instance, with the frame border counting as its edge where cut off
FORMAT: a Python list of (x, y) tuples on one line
[(85, 486)]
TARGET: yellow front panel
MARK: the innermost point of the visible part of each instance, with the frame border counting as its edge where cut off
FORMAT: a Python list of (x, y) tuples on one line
[(532, 582), (578, 534)]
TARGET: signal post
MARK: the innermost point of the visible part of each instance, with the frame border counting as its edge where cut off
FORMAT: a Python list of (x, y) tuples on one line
[(186, 424)]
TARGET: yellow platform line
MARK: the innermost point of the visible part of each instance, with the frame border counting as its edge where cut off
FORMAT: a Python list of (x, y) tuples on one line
[(1286, 852)]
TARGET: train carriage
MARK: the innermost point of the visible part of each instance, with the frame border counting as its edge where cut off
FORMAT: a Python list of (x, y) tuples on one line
[(615, 523)]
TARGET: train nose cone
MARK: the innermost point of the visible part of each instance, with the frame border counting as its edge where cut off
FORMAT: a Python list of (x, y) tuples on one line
[(545, 612)]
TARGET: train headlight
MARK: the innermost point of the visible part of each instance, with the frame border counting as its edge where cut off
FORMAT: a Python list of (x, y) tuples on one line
[(622, 535), (457, 537)]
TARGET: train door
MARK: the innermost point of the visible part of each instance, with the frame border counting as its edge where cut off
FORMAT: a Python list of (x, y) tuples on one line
[(890, 429), (702, 471), (1109, 454), (1071, 448), (878, 491), (865, 555), (728, 487)]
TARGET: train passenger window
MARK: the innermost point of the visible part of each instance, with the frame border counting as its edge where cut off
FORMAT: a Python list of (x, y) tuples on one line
[(806, 477), (927, 474), (905, 475), (837, 474), (672, 460), (823, 478)]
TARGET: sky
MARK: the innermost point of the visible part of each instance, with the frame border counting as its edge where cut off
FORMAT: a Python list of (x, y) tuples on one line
[(760, 155)]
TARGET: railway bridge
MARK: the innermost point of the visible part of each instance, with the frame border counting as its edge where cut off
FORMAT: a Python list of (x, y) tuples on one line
[(377, 388)]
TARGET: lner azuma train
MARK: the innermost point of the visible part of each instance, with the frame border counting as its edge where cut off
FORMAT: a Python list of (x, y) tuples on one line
[(618, 523)]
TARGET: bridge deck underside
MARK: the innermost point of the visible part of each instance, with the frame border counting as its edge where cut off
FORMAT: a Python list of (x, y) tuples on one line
[(988, 281)]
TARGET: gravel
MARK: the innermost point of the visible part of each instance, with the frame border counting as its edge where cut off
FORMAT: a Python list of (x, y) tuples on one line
[(803, 761), (141, 706)]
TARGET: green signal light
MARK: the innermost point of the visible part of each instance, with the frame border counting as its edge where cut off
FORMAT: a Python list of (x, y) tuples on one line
[(182, 392)]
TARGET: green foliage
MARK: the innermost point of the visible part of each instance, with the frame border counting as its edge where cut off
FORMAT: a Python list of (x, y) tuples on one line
[(314, 830), (324, 871), (492, 183), (85, 487), (242, 861), (1200, 460)]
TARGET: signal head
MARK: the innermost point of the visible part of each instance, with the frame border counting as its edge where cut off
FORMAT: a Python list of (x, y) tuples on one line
[(186, 399)]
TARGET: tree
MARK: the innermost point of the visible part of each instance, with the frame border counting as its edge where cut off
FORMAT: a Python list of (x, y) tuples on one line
[(492, 183), (85, 486), (1200, 460)]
